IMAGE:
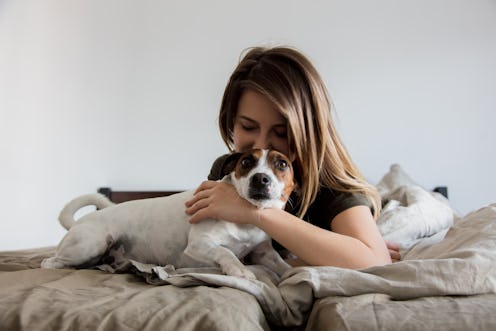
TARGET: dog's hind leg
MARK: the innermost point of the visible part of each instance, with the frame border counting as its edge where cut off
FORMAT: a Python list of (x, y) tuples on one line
[(79, 249)]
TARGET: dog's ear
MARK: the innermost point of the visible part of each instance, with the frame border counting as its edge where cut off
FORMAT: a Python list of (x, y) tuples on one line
[(230, 163), (223, 166)]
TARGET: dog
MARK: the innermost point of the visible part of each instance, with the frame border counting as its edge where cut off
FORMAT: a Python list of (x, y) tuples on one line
[(157, 230)]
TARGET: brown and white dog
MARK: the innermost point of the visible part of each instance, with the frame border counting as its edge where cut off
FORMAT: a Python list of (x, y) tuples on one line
[(157, 230)]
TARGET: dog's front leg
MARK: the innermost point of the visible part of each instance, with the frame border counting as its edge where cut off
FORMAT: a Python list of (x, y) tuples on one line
[(266, 255), (206, 251)]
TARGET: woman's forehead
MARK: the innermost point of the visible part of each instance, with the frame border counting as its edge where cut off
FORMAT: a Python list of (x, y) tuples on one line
[(256, 107)]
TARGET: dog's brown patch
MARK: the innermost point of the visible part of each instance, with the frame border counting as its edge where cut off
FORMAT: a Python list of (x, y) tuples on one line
[(282, 168), (247, 161)]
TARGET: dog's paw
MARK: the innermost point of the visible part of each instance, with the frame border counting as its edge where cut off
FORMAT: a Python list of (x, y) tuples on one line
[(239, 272), (51, 263)]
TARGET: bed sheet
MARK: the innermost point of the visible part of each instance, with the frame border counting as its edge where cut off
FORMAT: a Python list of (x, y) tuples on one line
[(374, 311), (40, 299)]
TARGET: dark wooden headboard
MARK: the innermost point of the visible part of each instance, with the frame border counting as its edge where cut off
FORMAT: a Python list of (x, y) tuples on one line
[(443, 190), (122, 196)]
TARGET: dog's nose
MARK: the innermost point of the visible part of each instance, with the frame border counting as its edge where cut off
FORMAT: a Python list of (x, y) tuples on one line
[(260, 180)]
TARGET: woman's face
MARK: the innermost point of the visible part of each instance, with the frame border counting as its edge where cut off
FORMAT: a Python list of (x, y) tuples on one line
[(258, 124)]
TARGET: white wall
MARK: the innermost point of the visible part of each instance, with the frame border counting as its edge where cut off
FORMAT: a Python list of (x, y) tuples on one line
[(125, 93)]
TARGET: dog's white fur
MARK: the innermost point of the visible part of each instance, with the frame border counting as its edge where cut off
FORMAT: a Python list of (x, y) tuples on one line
[(157, 230)]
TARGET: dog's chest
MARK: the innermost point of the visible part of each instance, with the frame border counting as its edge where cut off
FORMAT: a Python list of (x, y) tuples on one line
[(244, 233), (241, 239)]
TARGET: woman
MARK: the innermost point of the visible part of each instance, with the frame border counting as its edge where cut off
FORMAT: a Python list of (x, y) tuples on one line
[(276, 99)]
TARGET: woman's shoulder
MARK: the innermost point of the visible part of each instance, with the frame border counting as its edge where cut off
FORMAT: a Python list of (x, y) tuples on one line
[(329, 203), (328, 196)]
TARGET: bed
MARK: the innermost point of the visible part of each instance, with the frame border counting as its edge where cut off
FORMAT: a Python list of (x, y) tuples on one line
[(445, 281)]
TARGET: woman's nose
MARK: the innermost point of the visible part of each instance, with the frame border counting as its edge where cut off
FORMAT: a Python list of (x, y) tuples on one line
[(262, 142)]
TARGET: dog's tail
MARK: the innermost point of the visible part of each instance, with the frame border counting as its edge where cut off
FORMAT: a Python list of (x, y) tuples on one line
[(66, 216)]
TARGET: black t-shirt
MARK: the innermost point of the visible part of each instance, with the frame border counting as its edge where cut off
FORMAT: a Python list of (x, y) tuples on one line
[(328, 204)]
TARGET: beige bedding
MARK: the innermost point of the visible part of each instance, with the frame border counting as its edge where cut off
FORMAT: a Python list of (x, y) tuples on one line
[(380, 312), (446, 281), (446, 285), (39, 299)]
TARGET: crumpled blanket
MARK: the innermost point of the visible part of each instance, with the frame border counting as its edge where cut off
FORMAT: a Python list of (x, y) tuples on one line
[(412, 214), (459, 263)]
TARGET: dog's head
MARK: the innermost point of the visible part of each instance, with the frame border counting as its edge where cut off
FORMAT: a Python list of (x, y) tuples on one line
[(263, 177)]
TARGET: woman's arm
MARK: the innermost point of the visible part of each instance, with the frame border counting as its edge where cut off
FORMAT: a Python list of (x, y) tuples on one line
[(355, 241)]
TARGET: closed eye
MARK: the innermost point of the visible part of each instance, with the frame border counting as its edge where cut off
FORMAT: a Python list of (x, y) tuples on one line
[(248, 128), (281, 132)]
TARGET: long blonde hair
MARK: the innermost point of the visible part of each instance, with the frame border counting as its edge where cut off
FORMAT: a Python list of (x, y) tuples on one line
[(287, 78)]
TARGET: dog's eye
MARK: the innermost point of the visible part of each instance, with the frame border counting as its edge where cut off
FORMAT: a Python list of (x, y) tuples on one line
[(246, 162), (281, 164)]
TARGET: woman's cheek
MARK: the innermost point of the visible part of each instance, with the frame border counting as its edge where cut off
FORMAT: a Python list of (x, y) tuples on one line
[(241, 143)]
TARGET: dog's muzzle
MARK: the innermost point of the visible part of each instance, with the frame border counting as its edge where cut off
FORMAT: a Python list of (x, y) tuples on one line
[(260, 187)]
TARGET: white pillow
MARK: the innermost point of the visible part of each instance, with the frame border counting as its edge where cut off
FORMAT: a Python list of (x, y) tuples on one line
[(411, 213), (392, 180)]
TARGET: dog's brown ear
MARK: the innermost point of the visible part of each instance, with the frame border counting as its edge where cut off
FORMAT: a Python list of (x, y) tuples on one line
[(223, 166), (230, 163)]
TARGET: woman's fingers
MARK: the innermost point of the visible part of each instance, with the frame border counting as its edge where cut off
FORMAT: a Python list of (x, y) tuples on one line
[(203, 191), (196, 205), (208, 184), (395, 256), (392, 245), (196, 217), (394, 251), (218, 200), (201, 195)]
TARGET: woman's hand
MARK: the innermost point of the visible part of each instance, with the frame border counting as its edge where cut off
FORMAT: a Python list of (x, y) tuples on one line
[(219, 200), (394, 251)]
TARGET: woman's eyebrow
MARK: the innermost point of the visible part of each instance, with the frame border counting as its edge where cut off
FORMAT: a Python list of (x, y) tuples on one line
[(246, 118)]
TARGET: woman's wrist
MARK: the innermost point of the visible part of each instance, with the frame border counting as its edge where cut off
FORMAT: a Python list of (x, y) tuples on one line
[(261, 217), (255, 216)]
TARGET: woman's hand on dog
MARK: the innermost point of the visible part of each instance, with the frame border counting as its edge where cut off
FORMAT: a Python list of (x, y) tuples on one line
[(219, 200), (394, 251)]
